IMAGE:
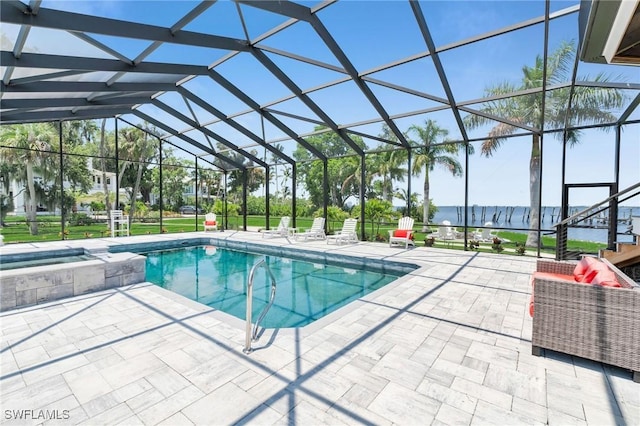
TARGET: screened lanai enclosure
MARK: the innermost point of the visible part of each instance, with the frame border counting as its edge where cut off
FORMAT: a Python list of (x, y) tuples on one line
[(512, 117)]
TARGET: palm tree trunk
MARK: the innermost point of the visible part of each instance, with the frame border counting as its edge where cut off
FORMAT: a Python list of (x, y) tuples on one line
[(425, 206), (385, 193), (30, 202), (123, 168), (534, 192), (136, 189), (275, 172)]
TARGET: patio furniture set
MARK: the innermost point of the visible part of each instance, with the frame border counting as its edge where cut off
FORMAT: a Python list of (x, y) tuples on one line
[(589, 309), (347, 234)]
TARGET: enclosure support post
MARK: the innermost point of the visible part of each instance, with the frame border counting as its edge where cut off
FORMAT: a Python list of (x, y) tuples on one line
[(613, 213), (539, 200), (409, 182), (62, 211), (544, 94), (197, 186), (117, 206), (161, 201), (294, 186), (325, 189), (225, 211), (616, 159), (362, 197), (267, 210), (244, 199), (466, 194)]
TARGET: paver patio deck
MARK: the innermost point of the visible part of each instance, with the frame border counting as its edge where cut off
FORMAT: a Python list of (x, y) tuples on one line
[(448, 344)]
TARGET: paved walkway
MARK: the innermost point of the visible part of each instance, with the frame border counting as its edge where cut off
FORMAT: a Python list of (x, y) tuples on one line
[(449, 344)]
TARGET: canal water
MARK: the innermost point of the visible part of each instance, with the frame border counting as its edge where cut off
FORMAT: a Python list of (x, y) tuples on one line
[(598, 233)]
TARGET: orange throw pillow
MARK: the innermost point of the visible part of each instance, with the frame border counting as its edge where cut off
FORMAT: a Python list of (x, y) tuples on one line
[(594, 267), (582, 267), (402, 233), (210, 222)]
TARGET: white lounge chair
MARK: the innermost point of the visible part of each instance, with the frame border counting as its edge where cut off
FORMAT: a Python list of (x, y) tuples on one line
[(347, 234), (316, 231), (485, 234), (403, 234), (210, 222), (281, 231)]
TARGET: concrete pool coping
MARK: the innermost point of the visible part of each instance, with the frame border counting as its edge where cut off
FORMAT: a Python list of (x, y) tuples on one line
[(447, 345)]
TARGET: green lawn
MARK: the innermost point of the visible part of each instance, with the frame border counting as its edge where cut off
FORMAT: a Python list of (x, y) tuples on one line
[(16, 231)]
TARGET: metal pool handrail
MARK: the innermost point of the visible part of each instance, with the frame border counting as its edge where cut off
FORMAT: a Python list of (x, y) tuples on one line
[(249, 335)]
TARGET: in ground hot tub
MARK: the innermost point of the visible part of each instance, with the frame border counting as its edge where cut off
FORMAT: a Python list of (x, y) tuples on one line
[(32, 278)]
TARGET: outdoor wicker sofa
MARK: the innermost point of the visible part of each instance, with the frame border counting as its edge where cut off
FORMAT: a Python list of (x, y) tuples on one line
[(590, 321)]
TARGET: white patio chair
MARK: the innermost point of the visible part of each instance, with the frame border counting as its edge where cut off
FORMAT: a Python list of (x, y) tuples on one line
[(281, 231), (210, 222), (485, 234), (119, 223), (445, 232), (347, 234), (316, 231), (403, 234)]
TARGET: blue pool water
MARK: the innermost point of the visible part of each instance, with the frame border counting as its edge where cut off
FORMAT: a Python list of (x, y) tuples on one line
[(217, 278)]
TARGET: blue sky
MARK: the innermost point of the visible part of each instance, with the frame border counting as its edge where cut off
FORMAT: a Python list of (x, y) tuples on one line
[(375, 33)]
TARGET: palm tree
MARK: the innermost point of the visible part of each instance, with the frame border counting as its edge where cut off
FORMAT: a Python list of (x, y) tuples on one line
[(208, 182), (286, 178), (389, 164), (103, 166), (390, 169), (587, 104), (138, 152), (276, 160), (428, 154), (24, 145), (352, 182)]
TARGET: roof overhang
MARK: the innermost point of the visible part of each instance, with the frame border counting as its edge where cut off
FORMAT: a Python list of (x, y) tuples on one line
[(610, 31)]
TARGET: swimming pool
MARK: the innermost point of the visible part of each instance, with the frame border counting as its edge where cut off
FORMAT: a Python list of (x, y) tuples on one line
[(306, 291)]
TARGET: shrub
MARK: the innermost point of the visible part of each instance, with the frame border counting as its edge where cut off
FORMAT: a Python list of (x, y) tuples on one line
[(335, 215), (80, 219), (97, 206)]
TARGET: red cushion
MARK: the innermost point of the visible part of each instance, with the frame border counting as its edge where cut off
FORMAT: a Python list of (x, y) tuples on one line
[(582, 267), (595, 273), (606, 278), (210, 222), (400, 233)]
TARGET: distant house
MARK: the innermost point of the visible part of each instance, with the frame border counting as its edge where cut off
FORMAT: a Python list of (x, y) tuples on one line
[(188, 191), (96, 178), (17, 190)]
